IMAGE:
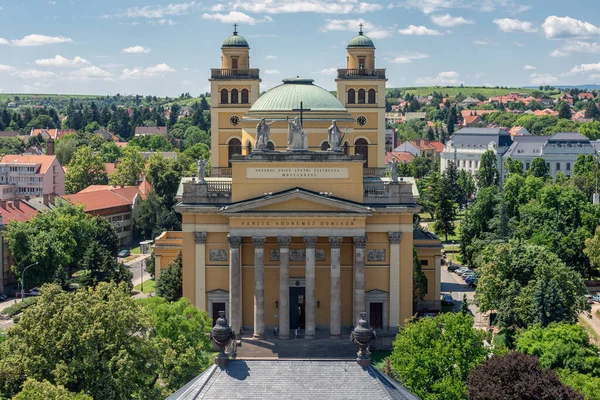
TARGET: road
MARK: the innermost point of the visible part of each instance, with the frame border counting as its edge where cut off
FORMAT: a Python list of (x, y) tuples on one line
[(594, 321), (456, 287)]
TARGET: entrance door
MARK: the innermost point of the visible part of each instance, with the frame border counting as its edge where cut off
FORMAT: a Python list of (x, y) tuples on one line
[(216, 307), (376, 315), (297, 305)]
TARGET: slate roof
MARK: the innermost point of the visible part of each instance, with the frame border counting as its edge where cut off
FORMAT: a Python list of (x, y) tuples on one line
[(292, 379), (480, 137), (568, 137), (525, 146)]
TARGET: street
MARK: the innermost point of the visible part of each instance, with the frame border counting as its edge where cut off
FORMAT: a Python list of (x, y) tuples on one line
[(456, 287)]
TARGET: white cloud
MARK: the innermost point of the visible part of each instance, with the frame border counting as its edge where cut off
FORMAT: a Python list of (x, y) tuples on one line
[(308, 6), (91, 73), (159, 68), (405, 59), (161, 11), (136, 50), (380, 33), (3, 41), (429, 6), (328, 71), (217, 7), (514, 25), (149, 72), (510, 6), (34, 74), (561, 27), (529, 68), (586, 68), (271, 72), (345, 25), (543, 79), (447, 78), (235, 16), (448, 21), (52, 2), (39, 40), (480, 42), (60, 61), (576, 46), (270, 57), (418, 31), (6, 68), (161, 22)]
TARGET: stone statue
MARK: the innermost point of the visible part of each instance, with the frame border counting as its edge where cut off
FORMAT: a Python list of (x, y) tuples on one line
[(335, 137), (296, 136), (263, 133), (394, 170), (201, 168)]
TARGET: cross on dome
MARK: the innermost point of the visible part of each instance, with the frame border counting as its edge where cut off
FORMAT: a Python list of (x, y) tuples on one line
[(360, 32), (235, 29)]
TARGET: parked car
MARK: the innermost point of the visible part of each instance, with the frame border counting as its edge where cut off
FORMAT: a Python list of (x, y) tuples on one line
[(453, 267), (467, 274), (461, 269), (596, 297), (3, 297), (464, 271), (589, 299), (447, 300), (124, 253), (473, 283), (470, 279), (34, 292)]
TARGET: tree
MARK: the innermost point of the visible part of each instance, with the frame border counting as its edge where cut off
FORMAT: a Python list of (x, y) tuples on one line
[(109, 152), (466, 185), (174, 114), (487, 175), (592, 250), (419, 279), (514, 167), (591, 110), (433, 356), (163, 177), (85, 169), (477, 223), (539, 168), (564, 111), (130, 168), (34, 390), (154, 217), (464, 305), (445, 212), (428, 189), (584, 173), (65, 148), (194, 135), (169, 284), (516, 376)]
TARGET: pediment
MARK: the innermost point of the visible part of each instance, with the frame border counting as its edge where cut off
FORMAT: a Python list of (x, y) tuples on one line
[(296, 200)]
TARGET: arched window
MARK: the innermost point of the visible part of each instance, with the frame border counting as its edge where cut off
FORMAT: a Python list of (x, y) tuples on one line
[(345, 148), (351, 96), (234, 96), (325, 145), (361, 96), (361, 146), (224, 96), (233, 147), (248, 148), (372, 96), (245, 96), (270, 145)]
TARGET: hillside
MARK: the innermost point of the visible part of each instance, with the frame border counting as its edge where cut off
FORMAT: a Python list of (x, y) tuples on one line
[(453, 91)]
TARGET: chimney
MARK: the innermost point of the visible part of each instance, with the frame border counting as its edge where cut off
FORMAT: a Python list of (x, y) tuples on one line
[(51, 198), (50, 147), (1, 219), (122, 186), (45, 199), (3, 203), (17, 203)]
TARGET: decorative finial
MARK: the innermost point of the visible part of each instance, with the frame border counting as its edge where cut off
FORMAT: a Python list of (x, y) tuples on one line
[(222, 335), (235, 29), (360, 32), (363, 335)]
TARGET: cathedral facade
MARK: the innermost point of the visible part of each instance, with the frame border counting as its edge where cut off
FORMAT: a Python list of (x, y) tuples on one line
[(299, 223)]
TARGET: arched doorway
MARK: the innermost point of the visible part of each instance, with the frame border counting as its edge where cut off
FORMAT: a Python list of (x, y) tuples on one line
[(361, 146), (325, 145), (233, 147)]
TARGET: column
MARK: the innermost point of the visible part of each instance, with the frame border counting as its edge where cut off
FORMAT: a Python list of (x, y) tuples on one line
[(359, 276), (438, 279), (235, 283), (200, 270), (284, 286), (311, 296), (259, 287), (394, 238), (335, 320)]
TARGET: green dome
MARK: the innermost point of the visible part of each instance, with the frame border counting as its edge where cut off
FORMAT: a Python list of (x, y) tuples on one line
[(287, 97), (235, 40), (361, 41)]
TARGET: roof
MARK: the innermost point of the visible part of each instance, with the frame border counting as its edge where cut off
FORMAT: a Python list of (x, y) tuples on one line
[(465, 113), (438, 146), (44, 161), (361, 40), (481, 137), (568, 137), (16, 211), (235, 40), (9, 133), (530, 145), (110, 167), (470, 100), (101, 197), (151, 130), (39, 205), (287, 97), (471, 119), (419, 234), (400, 156), (292, 379)]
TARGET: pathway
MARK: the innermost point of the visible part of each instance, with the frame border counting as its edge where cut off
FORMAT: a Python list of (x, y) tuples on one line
[(456, 287)]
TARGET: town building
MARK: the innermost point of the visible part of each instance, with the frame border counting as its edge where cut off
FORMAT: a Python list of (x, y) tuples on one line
[(421, 148), (150, 131), (288, 232), (24, 176)]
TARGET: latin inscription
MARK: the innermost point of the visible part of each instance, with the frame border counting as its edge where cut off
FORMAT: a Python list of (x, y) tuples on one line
[(296, 173), (298, 223)]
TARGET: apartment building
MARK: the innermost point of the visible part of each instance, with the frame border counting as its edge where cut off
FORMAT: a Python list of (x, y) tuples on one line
[(23, 176)]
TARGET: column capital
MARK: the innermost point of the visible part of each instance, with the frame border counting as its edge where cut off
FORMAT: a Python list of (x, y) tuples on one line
[(336, 241), (200, 237), (234, 241), (284, 241), (310, 241), (395, 237), (259, 241), (360, 241)]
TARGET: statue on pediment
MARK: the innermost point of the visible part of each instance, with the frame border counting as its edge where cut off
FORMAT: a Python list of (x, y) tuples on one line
[(201, 170), (335, 136), (296, 136), (263, 134)]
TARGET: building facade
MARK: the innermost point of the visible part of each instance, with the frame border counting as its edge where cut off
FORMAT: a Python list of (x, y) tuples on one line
[(30, 176), (287, 237)]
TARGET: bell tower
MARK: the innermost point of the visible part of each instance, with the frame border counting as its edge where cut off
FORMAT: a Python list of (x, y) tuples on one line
[(361, 88), (234, 88)]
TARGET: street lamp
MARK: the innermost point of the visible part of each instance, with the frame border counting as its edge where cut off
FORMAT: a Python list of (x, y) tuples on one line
[(142, 265), (23, 280)]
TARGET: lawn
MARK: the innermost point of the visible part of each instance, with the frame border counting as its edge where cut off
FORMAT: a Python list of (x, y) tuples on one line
[(454, 257), (148, 286), (591, 333), (135, 250), (378, 358)]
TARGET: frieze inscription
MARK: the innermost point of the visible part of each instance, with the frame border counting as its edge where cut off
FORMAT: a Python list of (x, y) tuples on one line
[(219, 255), (376, 255), (297, 255)]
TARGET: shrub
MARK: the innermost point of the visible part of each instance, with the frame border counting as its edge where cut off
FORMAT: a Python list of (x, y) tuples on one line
[(19, 307)]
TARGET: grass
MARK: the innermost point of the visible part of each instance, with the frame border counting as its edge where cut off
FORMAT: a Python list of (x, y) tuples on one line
[(590, 331), (454, 257), (466, 91), (148, 286), (135, 250), (378, 358)]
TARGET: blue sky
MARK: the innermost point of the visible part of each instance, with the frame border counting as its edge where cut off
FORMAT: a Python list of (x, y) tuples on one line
[(168, 47)]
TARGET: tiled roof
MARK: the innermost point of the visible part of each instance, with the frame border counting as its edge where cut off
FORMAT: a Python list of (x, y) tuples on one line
[(292, 379), (472, 119), (16, 211), (438, 146), (101, 197), (45, 161), (151, 130), (466, 113), (400, 156)]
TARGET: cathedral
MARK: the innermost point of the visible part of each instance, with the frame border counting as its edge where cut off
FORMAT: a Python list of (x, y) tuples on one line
[(297, 222)]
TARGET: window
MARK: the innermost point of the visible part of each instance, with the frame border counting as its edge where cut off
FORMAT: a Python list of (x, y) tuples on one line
[(362, 147), (558, 166), (361, 62), (372, 96), (224, 96), (345, 148), (233, 147), (234, 63), (325, 145), (351, 96), (526, 166), (361, 96), (548, 165), (424, 263), (568, 166), (245, 96), (470, 163), (248, 148), (234, 96)]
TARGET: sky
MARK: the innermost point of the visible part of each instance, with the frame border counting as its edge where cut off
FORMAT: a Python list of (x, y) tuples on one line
[(166, 48)]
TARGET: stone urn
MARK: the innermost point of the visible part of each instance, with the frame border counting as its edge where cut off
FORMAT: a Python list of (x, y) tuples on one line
[(222, 335), (363, 335)]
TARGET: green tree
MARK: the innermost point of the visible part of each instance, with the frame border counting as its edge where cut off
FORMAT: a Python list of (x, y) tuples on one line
[(194, 135), (109, 152), (169, 284), (466, 185), (428, 189), (514, 167), (539, 168), (565, 111), (433, 356), (85, 169), (464, 305), (477, 223), (130, 168), (584, 173), (419, 279), (513, 193), (487, 175), (174, 114), (154, 217), (445, 211), (35, 390), (65, 148), (592, 250), (163, 177)]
